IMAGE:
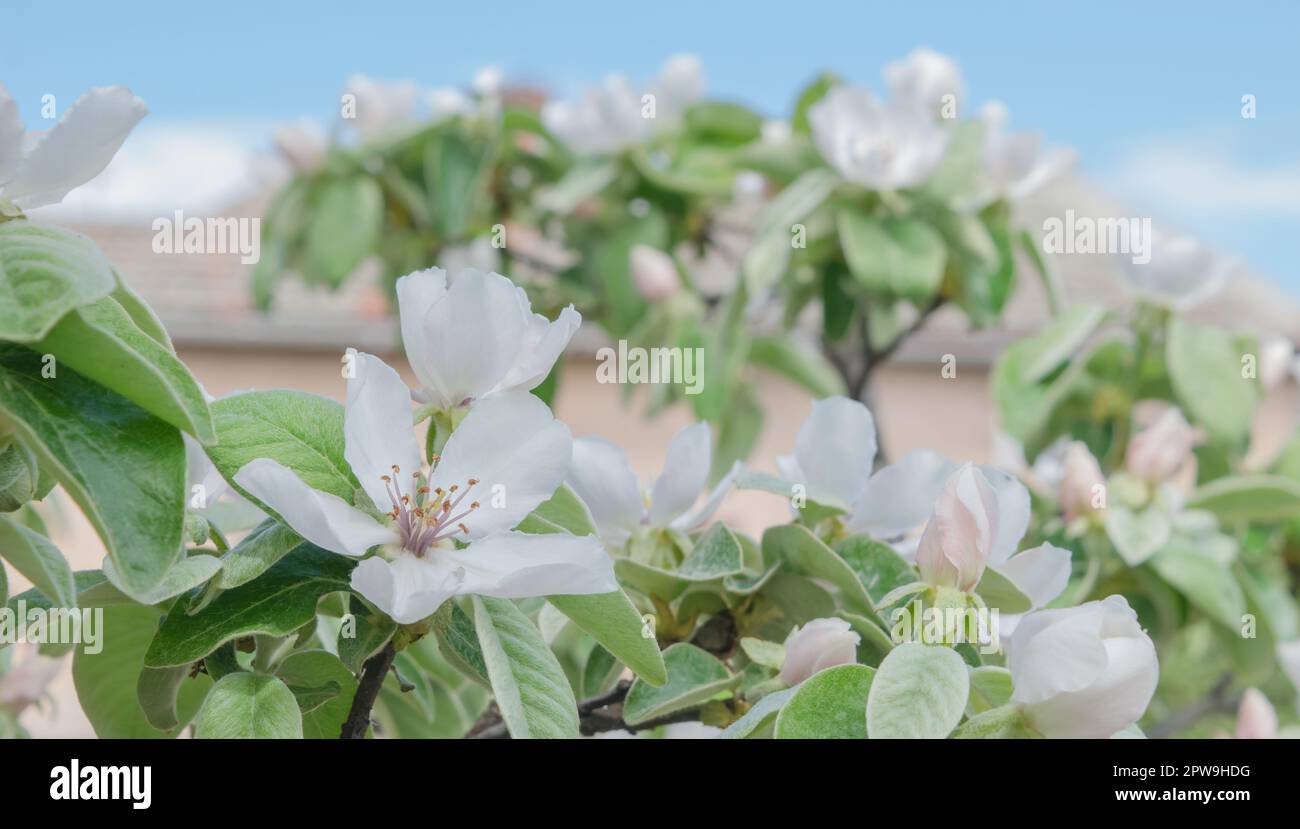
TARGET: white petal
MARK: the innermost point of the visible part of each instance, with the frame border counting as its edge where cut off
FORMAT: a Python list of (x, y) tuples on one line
[(77, 148), (1013, 513), (899, 498), (1116, 700), (516, 450), (835, 448), (323, 519), (1056, 651), (472, 336), (1040, 573), (377, 430), (11, 135), (705, 511), (408, 589), (416, 293), (603, 478), (686, 471), (543, 344), (514, 565), (201, 471)]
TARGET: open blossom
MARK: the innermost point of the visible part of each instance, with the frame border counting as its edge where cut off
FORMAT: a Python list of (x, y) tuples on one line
[(816, 646), (834, 454), (381, 106), (1256, 719), (1182, 272), (1015, 164), (604, 479), (474, 334), (654, 273), (507, 456), (1161, 450), (616, 116), (41, 167), (882, 146), (925, 78), (1083, 672), (1080, 478)]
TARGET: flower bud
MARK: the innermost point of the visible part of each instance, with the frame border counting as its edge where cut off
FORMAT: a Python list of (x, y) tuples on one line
[(1256, 719), (1082, 672), (1159, 451), (955, 544), (654, 273), (1080, 478), (820, 644)]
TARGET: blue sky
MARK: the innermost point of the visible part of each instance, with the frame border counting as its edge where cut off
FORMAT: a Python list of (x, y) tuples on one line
[(1149, 94)]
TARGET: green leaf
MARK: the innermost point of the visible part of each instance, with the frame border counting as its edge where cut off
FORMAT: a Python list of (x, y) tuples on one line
[(760, 719), (45, 272), (35, 556), (614, 622), (562, 512), (106, 682), (1004, 723), (723, 122), (306, 671), (902, 258), (876, 642), (343, 228), (20, 475), (101, 342), (919, 692), (805, 553), (1060, 340), (803, 365), (183, 576), (269, 542), (599, 672), (458, 642), (762, 652), (695, 676), (249, 706), (715, 554), (1001, 593), (372, 632), (990, 687), (583, 181), (530, 687), (1206, 582), (1136, 536), (158, 690), (304, 432), (460, 180), (877, 565), (808, 98), (1206, 372), (139, 311), (830, 705), (134, 495), (1249, 498), (277, 604)]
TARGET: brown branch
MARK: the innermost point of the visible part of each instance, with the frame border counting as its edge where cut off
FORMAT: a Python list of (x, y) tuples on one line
[(596, 715), (373, 674)]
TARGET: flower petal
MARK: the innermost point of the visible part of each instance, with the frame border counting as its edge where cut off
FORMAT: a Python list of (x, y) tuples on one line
[(898, 498), (686, 471), (472, 336), (1040, 573), (417, 293), (1056, 651), (11, 135), (408, 589), (377, 430), (77, 148), (513, 565), (323, 519), (543, 343), (1013, 513), (516, 450), (835, 448), (603, 478), (705, 511)]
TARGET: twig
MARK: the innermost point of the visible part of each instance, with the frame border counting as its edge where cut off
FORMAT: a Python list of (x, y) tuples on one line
[(596, 715), (373, 674)]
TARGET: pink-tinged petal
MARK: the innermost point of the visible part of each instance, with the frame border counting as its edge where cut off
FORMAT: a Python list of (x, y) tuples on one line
[(323, 519), (899, 498)]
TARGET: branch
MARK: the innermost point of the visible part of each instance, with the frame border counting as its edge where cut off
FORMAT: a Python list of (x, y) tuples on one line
[(596, 715), (373, 674)]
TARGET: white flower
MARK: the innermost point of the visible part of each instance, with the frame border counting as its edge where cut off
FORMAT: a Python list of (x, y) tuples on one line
[(615, 116), (475, 334), (818, 645), (958, 538), (877, 145), (1086, 671), (1163, 448), (653, 272), (303, 144), (1014, 163), (603, 477), (40, 167), (381, 107), (477, 254), (834, 453), (447, 102), (1256, 719), (488, 81), (509, 452), (924, 79), (1181, 273), (28, 676), (1276, 356), (1079, 481)]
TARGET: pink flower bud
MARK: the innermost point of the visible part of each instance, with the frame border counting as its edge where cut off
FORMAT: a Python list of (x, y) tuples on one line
[(1159, 451), (1256, 719), (1079, 481), (654, 273), (955, 544), (820, 644)]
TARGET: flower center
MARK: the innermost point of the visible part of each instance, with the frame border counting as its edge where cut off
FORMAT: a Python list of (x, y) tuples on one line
[(426, 517)]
